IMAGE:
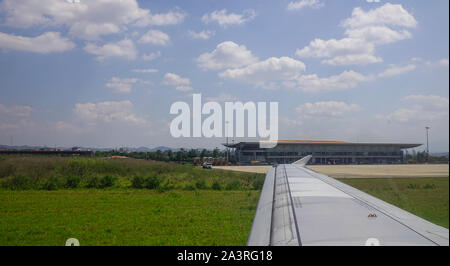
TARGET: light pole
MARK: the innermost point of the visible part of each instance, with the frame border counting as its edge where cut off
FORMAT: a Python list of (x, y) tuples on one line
[(226, 134), (428, 150)]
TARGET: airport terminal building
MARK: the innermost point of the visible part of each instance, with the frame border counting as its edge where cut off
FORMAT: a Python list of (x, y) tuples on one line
[(323, 152)]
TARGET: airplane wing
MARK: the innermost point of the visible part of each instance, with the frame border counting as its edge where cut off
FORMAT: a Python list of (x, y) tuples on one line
[(300, 207)]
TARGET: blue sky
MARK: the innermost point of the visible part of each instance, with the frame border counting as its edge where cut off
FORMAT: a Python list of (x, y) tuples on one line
[(105, 73)]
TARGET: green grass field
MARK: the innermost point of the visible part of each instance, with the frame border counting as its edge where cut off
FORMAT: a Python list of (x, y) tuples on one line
[(46, 200), (126, 217), (425, 197)]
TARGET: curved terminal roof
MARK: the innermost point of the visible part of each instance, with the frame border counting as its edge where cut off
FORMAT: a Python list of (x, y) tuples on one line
[(325, 142)]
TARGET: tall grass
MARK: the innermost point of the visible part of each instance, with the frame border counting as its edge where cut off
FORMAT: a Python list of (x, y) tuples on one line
[(50, 173)]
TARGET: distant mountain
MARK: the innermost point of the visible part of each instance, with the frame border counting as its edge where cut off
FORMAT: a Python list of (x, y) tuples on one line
[(445, 154), (139, 149)]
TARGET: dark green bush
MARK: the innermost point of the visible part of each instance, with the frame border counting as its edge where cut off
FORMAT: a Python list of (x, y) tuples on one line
[(137, 181), (17, 182), (51, 184), (72, 181), (429, 186), (107, 181), (216, 186), (93, 182), (190, 187), (235, 185), (7, 170), (200, 184), (152, 182)]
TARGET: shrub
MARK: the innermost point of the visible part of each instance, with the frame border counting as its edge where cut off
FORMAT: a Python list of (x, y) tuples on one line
[(413, 186), (107, 181), (190, 187), (200, 184), (235, 185), (137, 181), (429, 186), (152, 182), (51, 184), (17, 182), (72, 181), (216, 186), (7, 170), (93, 182)]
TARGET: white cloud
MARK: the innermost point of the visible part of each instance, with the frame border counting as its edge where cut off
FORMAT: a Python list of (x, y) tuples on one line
[(266, 73), (326, 109), (388, 14), (204, 34), (175, 80), (225, 19), (226, 55), (397, 70), (155, 37), (151, 56), (121, 85), (15, 111), (424, 109), (353, 59), (85, 19), (304, 3), (364, 31), (332, 48), (162, 19), (148, 70), (108, 112), (344, 81), (223, 97), (443, 62), (124, 48), (183, 88), (378, 34), (49, 42)]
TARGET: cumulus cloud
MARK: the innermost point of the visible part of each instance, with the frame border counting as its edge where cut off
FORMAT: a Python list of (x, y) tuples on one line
[(423, 109), (155, 37), (267, 73), (121, 85), (224, 19), (364, 30), (333, 47), (151, 56), (108, 112), (304, 3), (326, 109), (147, 70), (85, 19), (180, 83), (440, 63), (49, 42), (169, 18), (15, 111), (124, 48), (15, 118), (378, 34), (223, 97), (226, 55), (397, 70), (388, 14), (204, 34), (344, 81), (353, 59)]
